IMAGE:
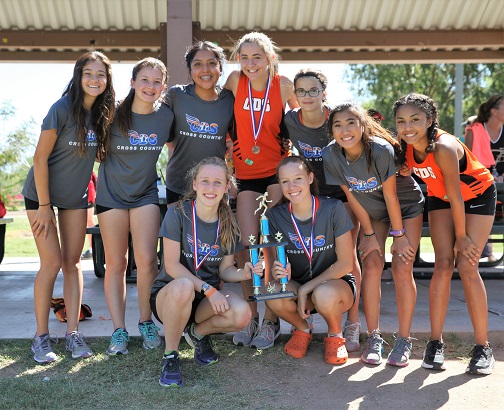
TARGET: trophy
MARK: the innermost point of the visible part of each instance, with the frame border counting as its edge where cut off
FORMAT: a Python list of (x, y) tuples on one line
[(254, 257)]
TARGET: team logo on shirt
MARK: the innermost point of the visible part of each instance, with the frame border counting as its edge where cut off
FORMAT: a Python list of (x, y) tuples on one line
[(200, 126), (90, 136), (142, 139), (318, 241), (424, 172), (203, 248), (310, 152), (360, 185), (257, 104)]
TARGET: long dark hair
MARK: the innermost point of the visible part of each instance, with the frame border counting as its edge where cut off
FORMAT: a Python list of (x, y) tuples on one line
[(371, 129), (314, 73), (123, 115), (229, 230), (485, 109), (102, 110), (429, 107), (295, 159)]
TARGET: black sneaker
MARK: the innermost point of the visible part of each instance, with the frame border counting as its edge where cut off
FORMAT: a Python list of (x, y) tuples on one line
[(433, 357), (171, 375), (203, 351), (482, 360)]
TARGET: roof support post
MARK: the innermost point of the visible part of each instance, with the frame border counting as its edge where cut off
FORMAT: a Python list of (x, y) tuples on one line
[(178, 38)]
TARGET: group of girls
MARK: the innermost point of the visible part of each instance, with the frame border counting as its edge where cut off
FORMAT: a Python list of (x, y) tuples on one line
[(356, 189)]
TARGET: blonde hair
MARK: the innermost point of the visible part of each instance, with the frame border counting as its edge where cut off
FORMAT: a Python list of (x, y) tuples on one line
[(229, 230), (267, 45)]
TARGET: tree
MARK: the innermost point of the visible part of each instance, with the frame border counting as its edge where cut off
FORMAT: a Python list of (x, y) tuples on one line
[(381, 85), (14, 150)]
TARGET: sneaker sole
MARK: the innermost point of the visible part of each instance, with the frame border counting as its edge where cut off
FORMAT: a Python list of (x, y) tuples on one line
[(397, 364), (433, 366), (147, 347), (374, 362), (83, 355), (117, 353), (171, 385), (486, 371), (351, 349), (206, 363)]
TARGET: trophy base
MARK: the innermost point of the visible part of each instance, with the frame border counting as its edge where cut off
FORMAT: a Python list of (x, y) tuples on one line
[(271, 296)]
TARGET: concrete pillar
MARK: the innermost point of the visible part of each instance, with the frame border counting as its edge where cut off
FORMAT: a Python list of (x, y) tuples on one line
[(178, 37)]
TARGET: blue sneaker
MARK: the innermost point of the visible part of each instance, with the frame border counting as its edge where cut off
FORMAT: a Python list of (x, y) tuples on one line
[(203, 350), (150, 335), (118, 342), (171, 375)]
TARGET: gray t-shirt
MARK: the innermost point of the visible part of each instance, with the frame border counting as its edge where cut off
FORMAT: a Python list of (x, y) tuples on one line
[(331, 221), (309, 142), (367, 185), (69, 173), (127, 177), (177, 226), (199, 132)]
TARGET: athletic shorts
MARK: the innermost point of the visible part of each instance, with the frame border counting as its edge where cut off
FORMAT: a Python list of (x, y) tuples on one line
[(198, 297), (31, 205), (485, 204), (172, 196), (257, 185), (101, 209)]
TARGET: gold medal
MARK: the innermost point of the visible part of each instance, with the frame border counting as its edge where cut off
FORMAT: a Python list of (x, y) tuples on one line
[(249, 161), (256, 149)]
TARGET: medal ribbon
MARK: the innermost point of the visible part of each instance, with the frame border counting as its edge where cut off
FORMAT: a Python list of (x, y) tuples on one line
[(197, 262), (256, 128), (315, 205)]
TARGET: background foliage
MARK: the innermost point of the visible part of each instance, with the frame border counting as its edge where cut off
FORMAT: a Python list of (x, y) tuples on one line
[(382, 84)]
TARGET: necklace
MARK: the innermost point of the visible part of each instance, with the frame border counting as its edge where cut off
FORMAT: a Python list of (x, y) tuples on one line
[(351, 161)]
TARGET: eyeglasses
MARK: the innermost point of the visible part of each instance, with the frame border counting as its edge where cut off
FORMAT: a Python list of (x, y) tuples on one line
[(313, 92)]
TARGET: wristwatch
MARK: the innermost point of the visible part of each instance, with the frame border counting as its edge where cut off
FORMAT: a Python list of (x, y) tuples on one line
[(204, 288)]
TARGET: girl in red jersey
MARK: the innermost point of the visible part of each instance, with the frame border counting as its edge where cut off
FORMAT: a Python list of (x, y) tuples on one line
[(260, 97), (461, 205)]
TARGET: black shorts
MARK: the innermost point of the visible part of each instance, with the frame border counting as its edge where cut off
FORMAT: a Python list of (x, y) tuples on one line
[(31, 205), (172, 197), (256, 185), (485, 204), (198, 297), (101, 209)]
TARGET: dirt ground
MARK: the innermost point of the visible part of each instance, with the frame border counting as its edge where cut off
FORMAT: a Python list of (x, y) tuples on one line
[(311, 383)]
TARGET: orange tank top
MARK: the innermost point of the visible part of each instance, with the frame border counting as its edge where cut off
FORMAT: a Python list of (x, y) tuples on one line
[(473, 181), (262, 164)]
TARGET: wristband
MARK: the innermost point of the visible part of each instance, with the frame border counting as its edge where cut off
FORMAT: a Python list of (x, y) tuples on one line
[(397, 233), (45, 204), (371, 235), (210, 292)]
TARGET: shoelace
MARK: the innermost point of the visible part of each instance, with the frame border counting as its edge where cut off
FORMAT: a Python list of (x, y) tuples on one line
[(435, 348), (149, 330), (77, 339), (119, 337), (171, 365), (351, 330), (266, 331), (478, 351), (205, 345), (43, 342)]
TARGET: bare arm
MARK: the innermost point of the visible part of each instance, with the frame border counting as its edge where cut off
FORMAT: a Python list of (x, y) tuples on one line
[(44, 216), (229, 273), (232, 82), (468, 139), (288, 95)]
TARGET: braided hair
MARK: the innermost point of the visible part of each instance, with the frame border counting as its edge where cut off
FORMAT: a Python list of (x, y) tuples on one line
[(429, 107)]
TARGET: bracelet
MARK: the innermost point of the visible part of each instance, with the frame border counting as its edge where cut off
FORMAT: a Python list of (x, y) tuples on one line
[(210, 292), (399, 236), (45, 204), (371, 235), (397, 233)]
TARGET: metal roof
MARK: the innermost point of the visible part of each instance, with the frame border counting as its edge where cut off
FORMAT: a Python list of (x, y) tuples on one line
[(338, 30)]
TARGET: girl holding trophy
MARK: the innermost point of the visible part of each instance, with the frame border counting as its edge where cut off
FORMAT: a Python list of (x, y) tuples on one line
[(320, 250)]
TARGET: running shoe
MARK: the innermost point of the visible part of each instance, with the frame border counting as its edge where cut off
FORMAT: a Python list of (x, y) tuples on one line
[(433, 357), (266, 335), (118, 342), (401, 352), (150, 335), (75, 343), (203, 350), (245, 336), (42, 349), (482, 360), (171, 375), (351, 333), (374, 348)]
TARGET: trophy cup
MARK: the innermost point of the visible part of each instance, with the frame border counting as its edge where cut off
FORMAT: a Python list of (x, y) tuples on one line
[(254, 257)]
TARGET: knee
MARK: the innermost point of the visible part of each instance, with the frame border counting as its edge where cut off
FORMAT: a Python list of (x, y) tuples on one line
[(242, 315), (116, 266), (444, 265), (372, 266), (52, 267), (403, 274), (147, 261), (467, 271), (180, 291), (324, 297)]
